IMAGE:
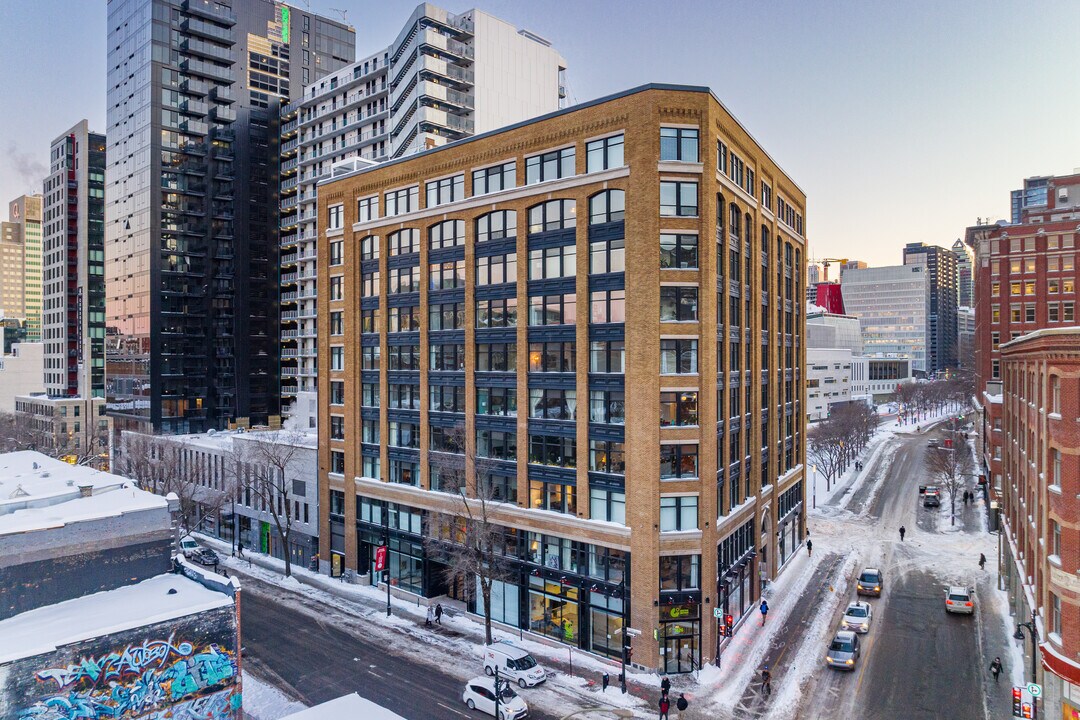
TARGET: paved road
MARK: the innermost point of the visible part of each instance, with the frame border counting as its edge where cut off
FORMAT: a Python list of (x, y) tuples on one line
[(320, 659), (917, 663)]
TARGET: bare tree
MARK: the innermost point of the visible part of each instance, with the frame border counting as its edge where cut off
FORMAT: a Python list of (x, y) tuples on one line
[(265, 465), (164, 465), (470, 541), (825, 449), (951, 467)]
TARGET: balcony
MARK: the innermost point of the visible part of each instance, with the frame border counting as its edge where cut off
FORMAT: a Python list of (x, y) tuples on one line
[(194, 127), (289, 352), (223, 113), (205, 69), (209, 9), (223, 94), (288, 278), (202, 48), (289, 372), (289, 183), (289, 165), (289, 202), (290, 127), (288, 315), (290, 146), (202, 28), (193, 107), (288, 222), (192, 86), (288, 334)]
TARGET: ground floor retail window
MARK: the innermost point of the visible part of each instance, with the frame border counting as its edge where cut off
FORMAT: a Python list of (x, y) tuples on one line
[(680, 638), (605, 625), (553, 610), (505, 599)]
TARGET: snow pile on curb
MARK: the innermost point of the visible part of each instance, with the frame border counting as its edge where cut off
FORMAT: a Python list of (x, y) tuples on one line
[(266, 702), (809, 658)]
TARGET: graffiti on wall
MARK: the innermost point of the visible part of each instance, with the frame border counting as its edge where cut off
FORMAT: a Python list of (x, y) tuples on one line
[(180, 677)]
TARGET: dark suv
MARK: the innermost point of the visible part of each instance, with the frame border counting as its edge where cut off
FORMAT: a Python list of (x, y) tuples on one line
[(870, 582)]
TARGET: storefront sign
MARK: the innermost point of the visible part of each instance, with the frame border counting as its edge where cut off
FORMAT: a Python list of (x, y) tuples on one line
[(678, 612)]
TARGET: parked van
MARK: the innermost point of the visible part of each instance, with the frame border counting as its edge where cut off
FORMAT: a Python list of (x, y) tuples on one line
[(188, 546), (513, 664)]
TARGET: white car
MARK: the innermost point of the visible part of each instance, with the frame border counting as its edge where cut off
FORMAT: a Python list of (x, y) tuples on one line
[(513, 663), (480, 695), (188, 546), (960, 600), (857, 617)]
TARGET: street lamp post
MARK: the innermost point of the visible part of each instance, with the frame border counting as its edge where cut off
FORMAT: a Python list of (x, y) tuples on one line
[(814, 468), (625, 636), (386, 571), (1033, 632)]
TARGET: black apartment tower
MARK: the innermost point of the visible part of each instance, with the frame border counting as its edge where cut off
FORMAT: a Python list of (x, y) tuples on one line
[(942, 341), (191, 235)]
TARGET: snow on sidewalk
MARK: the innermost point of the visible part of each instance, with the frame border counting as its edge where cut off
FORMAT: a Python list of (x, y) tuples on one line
[(723, 688), (457, 650), (265, 702)]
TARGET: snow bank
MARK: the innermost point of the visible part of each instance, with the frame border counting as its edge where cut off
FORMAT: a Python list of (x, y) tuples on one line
[(265, 702)]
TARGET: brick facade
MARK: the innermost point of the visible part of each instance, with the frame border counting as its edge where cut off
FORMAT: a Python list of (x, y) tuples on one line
[(747, 424), (1041, 513)]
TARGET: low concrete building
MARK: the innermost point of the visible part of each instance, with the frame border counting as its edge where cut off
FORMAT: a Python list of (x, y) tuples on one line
[(73, 428), (22, 371), (828, 380), (95, 613), (874, 378), (232, 463)]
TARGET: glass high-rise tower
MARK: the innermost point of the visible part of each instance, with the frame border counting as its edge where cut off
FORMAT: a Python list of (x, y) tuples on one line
[(192, 193)]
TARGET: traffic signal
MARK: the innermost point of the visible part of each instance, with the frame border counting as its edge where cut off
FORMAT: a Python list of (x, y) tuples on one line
[(1018, 696), (1027, 711), (628, 654)]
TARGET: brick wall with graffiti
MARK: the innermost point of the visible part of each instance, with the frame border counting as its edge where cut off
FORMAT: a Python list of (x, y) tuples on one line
[(185, 669)]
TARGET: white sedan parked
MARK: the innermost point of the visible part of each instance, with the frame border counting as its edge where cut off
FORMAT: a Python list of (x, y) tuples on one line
[(480, 695)]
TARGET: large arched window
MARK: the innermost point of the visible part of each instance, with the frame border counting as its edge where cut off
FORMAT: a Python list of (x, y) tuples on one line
[(404, 241), (497, 225), (607, 206), (552, 215), (448, 233)]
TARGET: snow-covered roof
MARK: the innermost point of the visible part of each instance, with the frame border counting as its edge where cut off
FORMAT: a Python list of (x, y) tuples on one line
[(346, 706), (38, 492), (223, 439), (151, 601)]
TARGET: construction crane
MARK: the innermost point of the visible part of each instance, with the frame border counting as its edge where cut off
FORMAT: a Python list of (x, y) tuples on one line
[(825, 263)]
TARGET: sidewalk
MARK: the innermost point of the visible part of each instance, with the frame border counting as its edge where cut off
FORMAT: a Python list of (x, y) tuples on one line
[(577, 674)]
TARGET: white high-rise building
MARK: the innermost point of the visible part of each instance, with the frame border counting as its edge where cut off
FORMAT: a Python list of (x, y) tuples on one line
[(893, 306), (445, 77)]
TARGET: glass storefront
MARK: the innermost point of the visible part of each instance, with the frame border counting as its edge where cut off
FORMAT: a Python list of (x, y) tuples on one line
[(605, 624), (790, 532), (735, 570), (553, 610), (680, 638), (505, 602)]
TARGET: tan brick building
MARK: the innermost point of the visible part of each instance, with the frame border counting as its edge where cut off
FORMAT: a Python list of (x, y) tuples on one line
[(607, 300)]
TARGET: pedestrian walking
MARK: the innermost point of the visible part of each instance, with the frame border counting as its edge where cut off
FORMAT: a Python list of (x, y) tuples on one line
[(903, 531), (764, 607), (766, 681), (995, 668), (809, 547), (681, 704), (982, 561), (240, 548), (430, 616), (438, 613), (665, 705), (665, 687)]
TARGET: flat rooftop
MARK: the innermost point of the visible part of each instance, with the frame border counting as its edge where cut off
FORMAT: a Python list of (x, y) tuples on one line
[(346, 706), (151, 601), (38, 492)]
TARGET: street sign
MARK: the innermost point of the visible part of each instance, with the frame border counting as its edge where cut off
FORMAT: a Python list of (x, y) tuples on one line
[(632, 632), (718, 613), (1035, 689)]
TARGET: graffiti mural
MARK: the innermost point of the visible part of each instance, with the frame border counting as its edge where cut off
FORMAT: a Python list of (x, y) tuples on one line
[(190, 673)]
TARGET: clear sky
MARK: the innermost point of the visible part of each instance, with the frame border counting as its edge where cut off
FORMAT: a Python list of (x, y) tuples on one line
[(902, 121)]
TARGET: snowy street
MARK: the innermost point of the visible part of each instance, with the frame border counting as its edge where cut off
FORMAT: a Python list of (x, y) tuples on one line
[(917, 661)]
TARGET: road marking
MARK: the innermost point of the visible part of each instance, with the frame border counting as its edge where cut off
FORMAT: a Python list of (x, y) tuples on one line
[(372, 672), (453, 710)]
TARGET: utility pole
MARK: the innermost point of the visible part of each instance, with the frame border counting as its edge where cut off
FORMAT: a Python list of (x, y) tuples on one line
[(625, 635)]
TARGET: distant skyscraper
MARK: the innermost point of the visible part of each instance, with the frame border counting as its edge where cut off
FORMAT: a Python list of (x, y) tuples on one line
[(965, 276), (893, 307), (941, 340), (74, 261), (20, 264), (445, 77), (1033, 196), (191, 219)]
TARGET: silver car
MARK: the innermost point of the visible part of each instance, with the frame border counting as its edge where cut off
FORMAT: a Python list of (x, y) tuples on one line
[(857, 617), (843, 650)]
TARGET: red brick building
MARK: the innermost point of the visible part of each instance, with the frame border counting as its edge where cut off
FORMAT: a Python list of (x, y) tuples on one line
[(1040, 463), (1025, 280)]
